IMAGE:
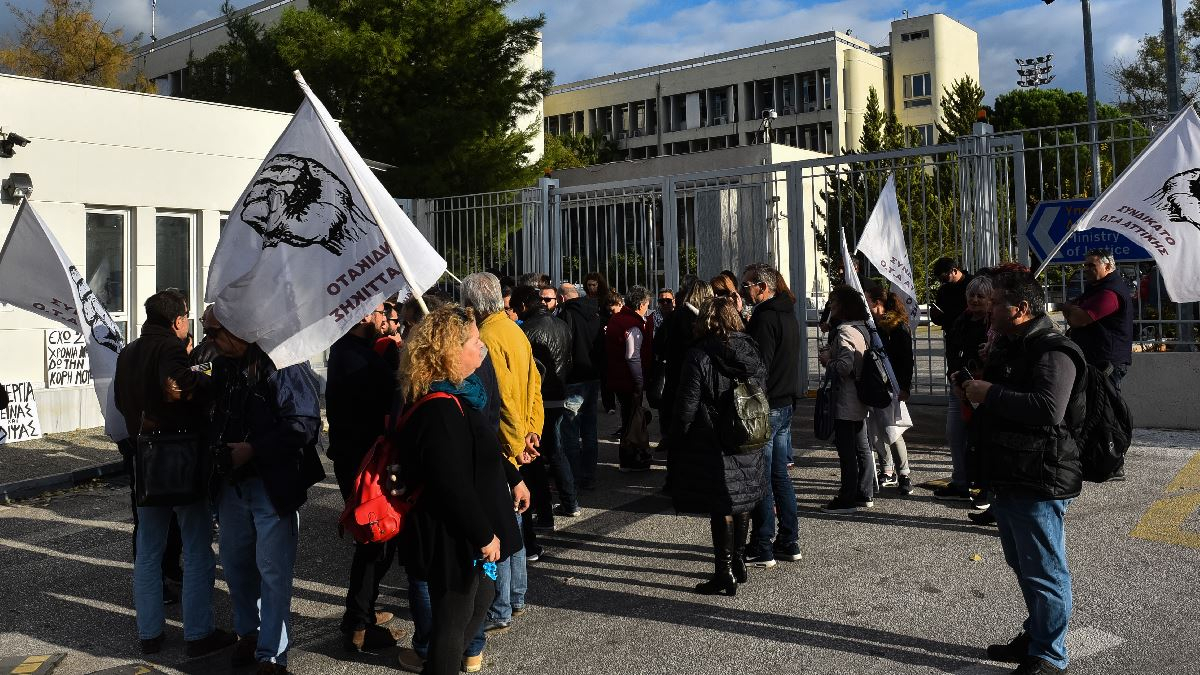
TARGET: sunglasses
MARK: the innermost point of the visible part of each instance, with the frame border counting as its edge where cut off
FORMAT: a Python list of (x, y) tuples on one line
[(548, 300), (213, 331), (666, 301)]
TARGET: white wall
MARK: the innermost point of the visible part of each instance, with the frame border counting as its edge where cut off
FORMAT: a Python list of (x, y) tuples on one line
[(138, 154)]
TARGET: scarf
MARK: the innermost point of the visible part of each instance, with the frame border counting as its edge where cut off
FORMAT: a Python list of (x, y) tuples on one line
[(471, 391)]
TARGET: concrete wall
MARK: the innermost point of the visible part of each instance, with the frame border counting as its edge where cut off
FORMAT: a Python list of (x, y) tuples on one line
[(136, 155), (1159, 390)]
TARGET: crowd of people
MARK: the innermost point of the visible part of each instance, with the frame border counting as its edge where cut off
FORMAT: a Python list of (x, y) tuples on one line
[(492, 402)]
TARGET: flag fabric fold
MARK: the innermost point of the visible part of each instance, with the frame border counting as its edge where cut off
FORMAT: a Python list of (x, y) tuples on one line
[(882, 241), (313, 245), (37, 276), (1156, 203)]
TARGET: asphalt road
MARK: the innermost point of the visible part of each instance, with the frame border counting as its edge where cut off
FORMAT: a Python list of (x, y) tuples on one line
[(909, 586)]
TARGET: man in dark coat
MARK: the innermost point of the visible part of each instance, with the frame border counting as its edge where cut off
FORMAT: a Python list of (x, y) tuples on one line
[(774, 328), (268, 418), (579, 434), (629, 354), (157, 391), (1029, 397), (360, 385), (1101, 319)]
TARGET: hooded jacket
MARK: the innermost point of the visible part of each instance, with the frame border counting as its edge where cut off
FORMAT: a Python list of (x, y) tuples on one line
[(773, 327), (898, 344), (704, 479)]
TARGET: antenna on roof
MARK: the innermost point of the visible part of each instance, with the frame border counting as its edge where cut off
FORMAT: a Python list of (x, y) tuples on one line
[(153, 17), (904, 12)]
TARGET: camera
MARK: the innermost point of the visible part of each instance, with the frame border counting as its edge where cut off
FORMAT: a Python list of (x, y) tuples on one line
[(9, 143)]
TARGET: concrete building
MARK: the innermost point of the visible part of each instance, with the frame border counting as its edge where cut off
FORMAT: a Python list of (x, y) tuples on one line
[(817, 85), (135, 191)]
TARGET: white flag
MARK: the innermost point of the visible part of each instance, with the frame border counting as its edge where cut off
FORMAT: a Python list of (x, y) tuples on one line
[(849, 273), (882, 241), (37, 276), (302, 259), (1156, 203)]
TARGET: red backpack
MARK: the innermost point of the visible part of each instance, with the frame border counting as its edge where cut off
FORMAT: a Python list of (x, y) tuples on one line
[(372, 515)]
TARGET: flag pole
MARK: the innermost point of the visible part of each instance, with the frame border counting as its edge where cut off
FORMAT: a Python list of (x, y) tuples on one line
[(1057, 248), (387, 237)]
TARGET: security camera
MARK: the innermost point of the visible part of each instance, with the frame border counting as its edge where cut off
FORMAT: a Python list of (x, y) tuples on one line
[(9, 142)]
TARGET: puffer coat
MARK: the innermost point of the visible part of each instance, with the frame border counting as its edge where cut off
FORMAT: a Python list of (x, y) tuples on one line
[(705, 478)]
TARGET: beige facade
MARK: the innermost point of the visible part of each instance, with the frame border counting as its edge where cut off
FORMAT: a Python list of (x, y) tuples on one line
[(135, 191), (817, 85)]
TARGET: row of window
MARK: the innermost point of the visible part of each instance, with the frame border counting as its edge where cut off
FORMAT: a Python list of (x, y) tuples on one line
[(107, 239), (918, 90)]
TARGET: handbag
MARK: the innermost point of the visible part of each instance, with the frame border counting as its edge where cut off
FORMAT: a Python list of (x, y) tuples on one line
[(170, 469), (823, 414), (656, 384), (634, 450)]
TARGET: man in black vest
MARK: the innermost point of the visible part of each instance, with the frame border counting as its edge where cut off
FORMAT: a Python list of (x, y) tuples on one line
[(1101, 319), (1030, 392)]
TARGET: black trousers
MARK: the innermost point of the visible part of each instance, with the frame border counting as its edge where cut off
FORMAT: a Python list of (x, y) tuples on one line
[(541, 502), (458, 612), (370, 564)]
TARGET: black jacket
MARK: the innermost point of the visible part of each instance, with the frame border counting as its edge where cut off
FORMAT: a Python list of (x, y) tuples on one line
[(704, 479), (678, 333), (358, 396), (773, 327), (551, 343), (952, 299), (1024, 440), (582, 316), (465, 500), (140, 384), (278, 411), (898, 345), (963, 341)]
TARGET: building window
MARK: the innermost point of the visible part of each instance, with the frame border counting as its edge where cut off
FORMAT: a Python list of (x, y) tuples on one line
[(916, 35), (104, 263), (924, 134), (918, 90), (172, 253), (825, 90)]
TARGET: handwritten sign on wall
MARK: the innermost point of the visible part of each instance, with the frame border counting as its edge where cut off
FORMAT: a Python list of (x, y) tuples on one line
[(19, 421), (66, 359)]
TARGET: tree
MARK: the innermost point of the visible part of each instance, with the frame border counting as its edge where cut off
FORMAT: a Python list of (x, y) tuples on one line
[(873, 121), (433, 87), (65, 42), (1142, 80), (1034, 108), (960, 108)]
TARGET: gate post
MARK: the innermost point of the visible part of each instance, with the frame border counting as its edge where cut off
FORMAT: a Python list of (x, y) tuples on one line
[(670, 234), (796, 262), (549, 238)]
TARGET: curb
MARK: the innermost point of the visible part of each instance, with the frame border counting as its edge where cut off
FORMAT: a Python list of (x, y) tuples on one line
[(32, 487)]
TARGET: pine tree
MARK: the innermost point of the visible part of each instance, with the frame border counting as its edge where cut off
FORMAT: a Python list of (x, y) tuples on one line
[(960, 108)]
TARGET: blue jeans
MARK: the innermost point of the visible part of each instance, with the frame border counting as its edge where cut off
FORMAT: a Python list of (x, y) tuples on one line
[(512, 583), (560, 467), (956, 437), (579, 440), (1035, 547), (779, 500), (258, 552), (195, 524), (422, 614)]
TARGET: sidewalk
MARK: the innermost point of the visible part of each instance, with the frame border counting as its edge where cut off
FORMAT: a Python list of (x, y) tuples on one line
[(55, 461)]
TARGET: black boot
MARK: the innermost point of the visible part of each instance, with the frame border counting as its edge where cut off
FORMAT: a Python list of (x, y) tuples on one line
[(741, 528), (722, 581)]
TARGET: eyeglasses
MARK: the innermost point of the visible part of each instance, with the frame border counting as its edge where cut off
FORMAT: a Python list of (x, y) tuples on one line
[(548, 300), (666, 301), (213, 331), (393, 319)]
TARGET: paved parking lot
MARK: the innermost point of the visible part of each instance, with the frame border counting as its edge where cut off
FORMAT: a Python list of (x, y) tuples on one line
[(910, 586)]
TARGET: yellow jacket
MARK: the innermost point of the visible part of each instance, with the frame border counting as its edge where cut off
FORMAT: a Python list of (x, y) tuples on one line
[(519, 382)]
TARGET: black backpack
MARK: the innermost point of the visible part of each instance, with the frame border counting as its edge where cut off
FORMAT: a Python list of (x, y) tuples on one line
[(1099, 423), (1106, 431), (873, 385), (742, 421)]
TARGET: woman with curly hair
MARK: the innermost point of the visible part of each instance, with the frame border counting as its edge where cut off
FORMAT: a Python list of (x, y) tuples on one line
[(462, 523), (891, 317)]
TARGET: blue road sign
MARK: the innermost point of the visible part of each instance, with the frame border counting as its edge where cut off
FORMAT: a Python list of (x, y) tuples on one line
[(1050, 222)]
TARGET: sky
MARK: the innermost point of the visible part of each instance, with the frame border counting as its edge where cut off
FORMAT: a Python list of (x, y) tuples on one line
[(585, 38)]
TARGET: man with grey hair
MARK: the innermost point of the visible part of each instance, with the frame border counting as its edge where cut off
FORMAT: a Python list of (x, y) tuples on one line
[(629, 348), (1101, 318), (567, 291), (774, 327)]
